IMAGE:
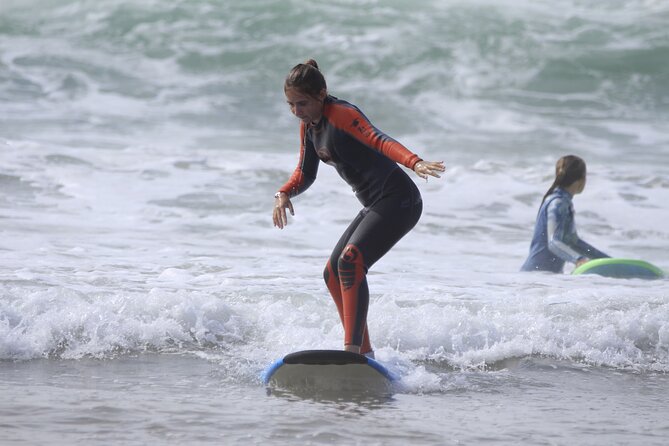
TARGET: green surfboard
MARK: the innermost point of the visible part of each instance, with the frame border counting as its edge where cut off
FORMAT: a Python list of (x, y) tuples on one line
[(621, 268)]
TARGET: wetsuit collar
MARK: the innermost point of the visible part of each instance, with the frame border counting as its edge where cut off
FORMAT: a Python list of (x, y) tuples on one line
[(328, 99), (560, 191)]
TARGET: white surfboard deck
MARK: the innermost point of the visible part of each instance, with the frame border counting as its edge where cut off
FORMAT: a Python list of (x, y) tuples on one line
[(328, 370)]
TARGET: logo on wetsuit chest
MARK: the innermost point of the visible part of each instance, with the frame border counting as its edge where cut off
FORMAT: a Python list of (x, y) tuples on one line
[(361, 128)]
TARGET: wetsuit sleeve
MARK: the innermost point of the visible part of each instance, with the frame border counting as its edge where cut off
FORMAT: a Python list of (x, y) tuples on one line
[(589, 251), (351, 120), (307, 167), (563, 241)]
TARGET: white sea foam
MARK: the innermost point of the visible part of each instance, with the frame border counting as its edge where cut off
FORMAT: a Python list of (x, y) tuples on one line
[(142, 284), (141, 149)]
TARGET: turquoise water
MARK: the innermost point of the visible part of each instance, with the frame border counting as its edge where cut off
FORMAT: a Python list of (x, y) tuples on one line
[(143, 286), (534, 77)]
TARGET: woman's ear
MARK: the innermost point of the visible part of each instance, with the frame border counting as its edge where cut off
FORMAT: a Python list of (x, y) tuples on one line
[(322, 95)]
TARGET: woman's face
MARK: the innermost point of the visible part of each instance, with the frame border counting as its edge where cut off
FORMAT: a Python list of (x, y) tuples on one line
[(307, 108)]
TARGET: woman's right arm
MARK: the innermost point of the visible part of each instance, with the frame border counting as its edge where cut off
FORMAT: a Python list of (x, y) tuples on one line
[(303, 176)]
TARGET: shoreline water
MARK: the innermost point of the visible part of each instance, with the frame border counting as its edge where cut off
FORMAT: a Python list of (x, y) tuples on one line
[(171, 399)]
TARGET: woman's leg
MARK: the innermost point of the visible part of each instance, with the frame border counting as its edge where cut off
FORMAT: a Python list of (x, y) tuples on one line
[(332, 281), (334, 287), (370, 236)]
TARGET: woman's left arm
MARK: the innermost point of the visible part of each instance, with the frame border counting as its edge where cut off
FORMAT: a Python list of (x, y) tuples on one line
[(351, 120), (431, 168)]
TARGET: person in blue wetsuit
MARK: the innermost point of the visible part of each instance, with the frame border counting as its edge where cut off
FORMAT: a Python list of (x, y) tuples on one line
[(555, 240), (337, 133)]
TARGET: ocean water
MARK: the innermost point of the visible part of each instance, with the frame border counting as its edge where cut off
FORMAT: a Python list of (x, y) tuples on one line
[(143, 288)]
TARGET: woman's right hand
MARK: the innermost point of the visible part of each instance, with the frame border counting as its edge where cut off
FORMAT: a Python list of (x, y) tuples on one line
[(281, 202)]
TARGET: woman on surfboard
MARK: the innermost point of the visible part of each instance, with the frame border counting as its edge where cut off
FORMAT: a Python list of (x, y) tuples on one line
[(338, 133), (555, 240)]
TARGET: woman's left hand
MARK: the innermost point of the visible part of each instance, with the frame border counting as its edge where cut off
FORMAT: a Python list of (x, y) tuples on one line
[(425, 168), (581, 261)]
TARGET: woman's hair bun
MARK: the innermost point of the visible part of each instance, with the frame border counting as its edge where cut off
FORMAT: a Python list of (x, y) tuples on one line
[(307, 78), (312, 63)]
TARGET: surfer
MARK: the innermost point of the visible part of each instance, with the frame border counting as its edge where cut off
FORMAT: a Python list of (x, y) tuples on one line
[(555, 240), (339, 134)]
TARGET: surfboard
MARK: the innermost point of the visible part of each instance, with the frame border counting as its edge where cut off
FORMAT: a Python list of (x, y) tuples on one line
[(620, 268), (328, 370)]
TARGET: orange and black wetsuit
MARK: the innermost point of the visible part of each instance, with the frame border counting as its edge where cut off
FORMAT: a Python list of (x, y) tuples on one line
[(367, 160)]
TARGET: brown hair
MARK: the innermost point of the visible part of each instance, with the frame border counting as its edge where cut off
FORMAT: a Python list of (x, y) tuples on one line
[(307, 78), (568, 170)]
